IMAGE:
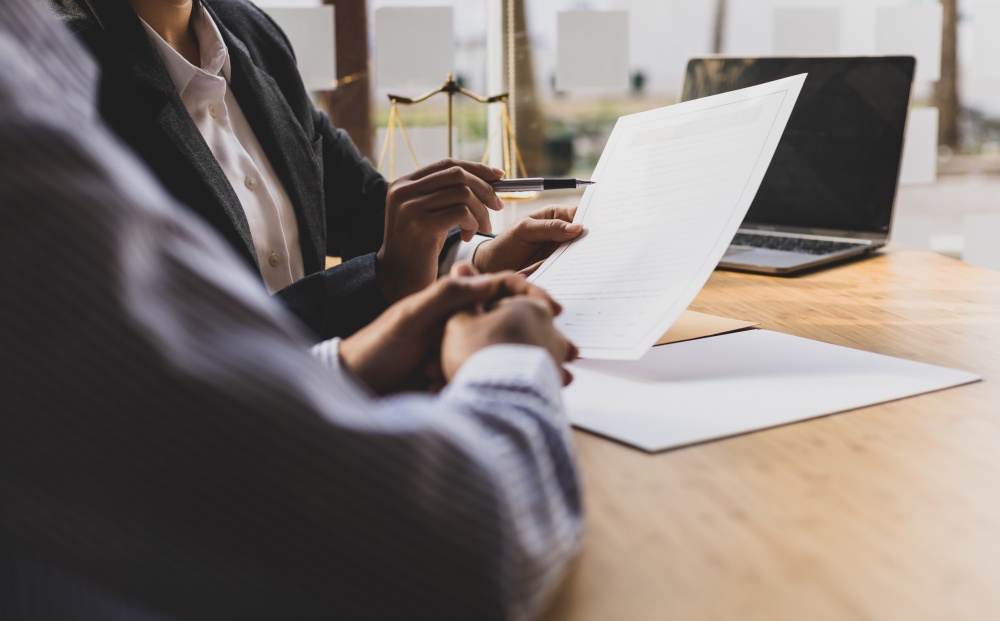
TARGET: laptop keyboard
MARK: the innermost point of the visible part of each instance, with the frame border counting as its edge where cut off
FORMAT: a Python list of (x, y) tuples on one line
[(792, 244)]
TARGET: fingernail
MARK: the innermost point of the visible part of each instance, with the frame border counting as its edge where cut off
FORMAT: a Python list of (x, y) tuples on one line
[(574, 228), (499, 172)]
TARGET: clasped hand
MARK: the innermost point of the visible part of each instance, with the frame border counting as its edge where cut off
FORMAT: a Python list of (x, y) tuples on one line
[(420, 342)]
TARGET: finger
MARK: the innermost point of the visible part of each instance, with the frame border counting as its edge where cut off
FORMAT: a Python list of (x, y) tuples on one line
[(555, 212), (528, 271), (543, 295), (491, 288), (480, 170), (527, 305), (450, 294), (477, 177), (513, 284), (463, 268), (540, 231), (510, 283), (450, 217), (572, 352), (451, 197), (433, 372), (567, 377)]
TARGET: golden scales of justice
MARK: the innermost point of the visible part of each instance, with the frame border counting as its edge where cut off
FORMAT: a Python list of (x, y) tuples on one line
[(451, 88)]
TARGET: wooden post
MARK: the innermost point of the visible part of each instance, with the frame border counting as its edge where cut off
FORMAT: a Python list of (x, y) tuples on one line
[(946, 91), (526, 111), (719, 33), (349, 105)]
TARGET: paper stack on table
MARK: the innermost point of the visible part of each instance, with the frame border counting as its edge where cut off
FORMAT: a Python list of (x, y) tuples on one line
[(725, 385)]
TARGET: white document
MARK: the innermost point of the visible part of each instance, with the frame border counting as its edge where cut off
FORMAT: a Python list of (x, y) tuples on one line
[(673, 186), (725, 385)]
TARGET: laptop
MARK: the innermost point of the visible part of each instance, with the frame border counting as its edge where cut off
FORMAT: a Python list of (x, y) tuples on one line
[(830, 190)]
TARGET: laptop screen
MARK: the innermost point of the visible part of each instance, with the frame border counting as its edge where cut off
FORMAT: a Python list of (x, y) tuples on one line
[(837, 165)]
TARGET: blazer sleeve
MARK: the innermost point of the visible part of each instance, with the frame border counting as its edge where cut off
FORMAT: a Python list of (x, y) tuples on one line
[(340, 301), (354, 192)]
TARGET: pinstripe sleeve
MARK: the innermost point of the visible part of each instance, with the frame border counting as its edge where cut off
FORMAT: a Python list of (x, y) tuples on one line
[(168, 441)]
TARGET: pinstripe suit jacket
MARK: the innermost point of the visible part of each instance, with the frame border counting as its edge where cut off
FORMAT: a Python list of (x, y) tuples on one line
[(169, 449), (338, 197)]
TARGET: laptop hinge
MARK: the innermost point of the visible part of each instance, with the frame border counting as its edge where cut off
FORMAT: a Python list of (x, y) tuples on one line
[(843, 240)]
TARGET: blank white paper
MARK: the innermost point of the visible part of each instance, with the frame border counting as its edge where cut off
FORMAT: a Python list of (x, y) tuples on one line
[(310, 31), (721, 386), (986, 41), (807, 31), (913, 31), (919, 163), (592, 50), (673, 186), (414, 46)]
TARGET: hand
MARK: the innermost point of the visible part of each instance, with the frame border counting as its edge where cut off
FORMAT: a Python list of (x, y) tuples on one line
[(420, 209), (400, 349), (521, 319), (529, 241)]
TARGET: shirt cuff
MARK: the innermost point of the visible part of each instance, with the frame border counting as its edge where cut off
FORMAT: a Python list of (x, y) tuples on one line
[(462, 251), (521, 368), (328, 354)]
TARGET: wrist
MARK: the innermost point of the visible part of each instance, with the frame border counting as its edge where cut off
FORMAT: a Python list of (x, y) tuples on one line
[(383, 278), (478, 259), (390, 279)]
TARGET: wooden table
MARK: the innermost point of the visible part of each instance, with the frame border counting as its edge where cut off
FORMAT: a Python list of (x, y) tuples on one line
[(884, 513)]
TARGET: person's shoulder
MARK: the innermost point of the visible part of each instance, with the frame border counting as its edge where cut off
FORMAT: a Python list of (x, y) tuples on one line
[(75, 15)]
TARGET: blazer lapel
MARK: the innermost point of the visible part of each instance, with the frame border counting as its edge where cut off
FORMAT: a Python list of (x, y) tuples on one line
[(288, 147), (143, 68)]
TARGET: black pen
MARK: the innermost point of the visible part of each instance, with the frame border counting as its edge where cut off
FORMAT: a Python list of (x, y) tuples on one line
[(535, 184)]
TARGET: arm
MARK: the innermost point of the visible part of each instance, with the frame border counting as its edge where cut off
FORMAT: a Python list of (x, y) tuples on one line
[(355, 193), (196, 459), (412, 248)]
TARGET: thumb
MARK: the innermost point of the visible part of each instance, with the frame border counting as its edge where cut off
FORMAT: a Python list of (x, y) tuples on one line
[(451, 294), (554, 230), (462, 269)]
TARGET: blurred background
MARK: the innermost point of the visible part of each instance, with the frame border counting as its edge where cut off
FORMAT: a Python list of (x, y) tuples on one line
[(572, 67)]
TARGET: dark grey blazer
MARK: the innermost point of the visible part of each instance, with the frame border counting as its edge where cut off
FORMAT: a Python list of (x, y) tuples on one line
[(338, 197)]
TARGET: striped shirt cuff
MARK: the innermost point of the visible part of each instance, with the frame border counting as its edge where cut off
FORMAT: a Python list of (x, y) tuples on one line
[(462, 251), (523, 368)]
